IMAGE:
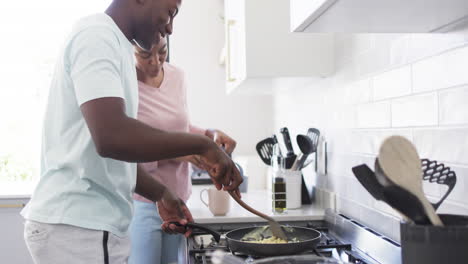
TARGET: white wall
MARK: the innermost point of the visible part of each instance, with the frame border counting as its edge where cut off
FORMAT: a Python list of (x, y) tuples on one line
[(412, 85), (195, 46)]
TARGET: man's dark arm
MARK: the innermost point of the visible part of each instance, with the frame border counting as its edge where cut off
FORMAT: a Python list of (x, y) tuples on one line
[(120, 137), (148, 187)]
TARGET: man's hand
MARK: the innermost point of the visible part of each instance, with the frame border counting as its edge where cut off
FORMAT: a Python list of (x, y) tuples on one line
[(221, 168), (222, 140), (173, 209)]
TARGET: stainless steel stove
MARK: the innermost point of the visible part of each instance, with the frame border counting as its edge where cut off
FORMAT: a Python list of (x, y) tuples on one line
[(342, 239)]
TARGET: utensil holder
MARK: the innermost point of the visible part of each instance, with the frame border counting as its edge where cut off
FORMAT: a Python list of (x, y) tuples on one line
[(305, 194), (426, 244), (293, 188)]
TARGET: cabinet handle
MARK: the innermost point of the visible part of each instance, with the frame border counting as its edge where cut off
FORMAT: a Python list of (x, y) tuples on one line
[(11, 205), (230, 23)]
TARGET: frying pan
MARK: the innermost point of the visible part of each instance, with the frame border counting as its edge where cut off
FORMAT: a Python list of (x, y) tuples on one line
[(308, 238)]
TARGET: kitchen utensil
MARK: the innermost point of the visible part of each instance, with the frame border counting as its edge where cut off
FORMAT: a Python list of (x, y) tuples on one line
[(277, 160), (401, 164), (308, 162), (380, 175), (384, 181), (392, 195), (290, 156), (306, 190), (435, 172), (274, 226), (407, 204), (287, 141), (308, 238), (307, 147), (368, 180), (314, 135), (265, 149)]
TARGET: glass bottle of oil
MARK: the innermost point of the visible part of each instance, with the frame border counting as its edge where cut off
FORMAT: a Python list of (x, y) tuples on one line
[(279, 194), (278, 186)]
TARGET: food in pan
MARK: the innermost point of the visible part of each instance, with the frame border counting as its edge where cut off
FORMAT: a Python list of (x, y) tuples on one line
[(262, 235), (269, 240)]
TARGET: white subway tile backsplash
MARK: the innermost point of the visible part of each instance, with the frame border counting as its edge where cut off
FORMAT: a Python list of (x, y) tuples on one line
[(348, 207), (453, 106), (420, 110), (443, 71), (374, 115), (393, 83), (400, 49), (444, 145), (432, 190), (360, 194), (385, 208), (359, 92), (459, 193), (425, 45), (453, 208), (369, 141), (345, 116), (412, 47), (374, 60), (386, 84)]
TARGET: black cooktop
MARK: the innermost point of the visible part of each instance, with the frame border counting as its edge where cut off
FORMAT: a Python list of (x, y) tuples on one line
[(200, 246)]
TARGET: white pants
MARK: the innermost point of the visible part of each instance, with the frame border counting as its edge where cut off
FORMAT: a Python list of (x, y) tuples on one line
[(58, 244)]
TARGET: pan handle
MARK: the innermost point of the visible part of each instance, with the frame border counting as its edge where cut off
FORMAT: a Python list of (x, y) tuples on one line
[(216, 235)]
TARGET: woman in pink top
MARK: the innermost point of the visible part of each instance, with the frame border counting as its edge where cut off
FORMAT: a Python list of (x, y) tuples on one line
[(163, 105)]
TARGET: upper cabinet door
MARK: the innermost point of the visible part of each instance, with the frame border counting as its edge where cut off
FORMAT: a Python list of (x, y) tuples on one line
[(260, 49), (235, 43), (378, 16)]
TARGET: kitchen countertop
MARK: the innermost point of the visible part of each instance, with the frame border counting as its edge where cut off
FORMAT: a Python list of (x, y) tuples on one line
[(258, 199)]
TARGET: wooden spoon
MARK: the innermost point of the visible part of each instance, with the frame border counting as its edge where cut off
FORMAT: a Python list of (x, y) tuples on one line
[(401, 164), (275, 227)]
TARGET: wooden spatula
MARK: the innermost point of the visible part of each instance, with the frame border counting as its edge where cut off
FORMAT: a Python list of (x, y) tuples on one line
[(275, 227), (401, 164)]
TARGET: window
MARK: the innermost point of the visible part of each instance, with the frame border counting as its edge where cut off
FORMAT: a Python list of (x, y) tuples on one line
[(32, 34)]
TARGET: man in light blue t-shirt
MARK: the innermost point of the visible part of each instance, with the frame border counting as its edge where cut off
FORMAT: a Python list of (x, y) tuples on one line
[(82, 206)]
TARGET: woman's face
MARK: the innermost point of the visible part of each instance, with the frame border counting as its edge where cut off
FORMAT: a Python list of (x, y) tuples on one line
[(150, 63)]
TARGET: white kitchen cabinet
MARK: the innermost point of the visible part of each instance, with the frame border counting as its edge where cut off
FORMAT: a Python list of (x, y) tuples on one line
[(260, 49), (377, 16)]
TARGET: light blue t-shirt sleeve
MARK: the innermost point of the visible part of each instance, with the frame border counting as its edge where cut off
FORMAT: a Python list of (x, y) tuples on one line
[(94, 64)]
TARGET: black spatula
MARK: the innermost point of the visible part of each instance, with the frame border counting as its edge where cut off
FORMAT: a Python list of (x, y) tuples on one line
[(265, 149), (368, 180)]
